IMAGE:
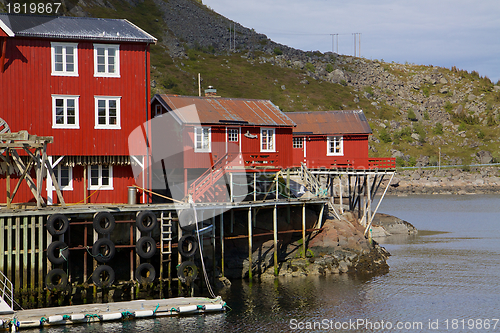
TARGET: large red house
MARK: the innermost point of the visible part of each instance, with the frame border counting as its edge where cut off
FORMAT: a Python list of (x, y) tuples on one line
[(333, 140), (245, 135), (85, 82)]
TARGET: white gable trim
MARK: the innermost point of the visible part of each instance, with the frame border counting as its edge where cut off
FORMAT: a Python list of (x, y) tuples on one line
[(6, 29)]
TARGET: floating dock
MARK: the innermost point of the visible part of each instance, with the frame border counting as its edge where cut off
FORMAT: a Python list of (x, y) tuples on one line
[(101, 312)]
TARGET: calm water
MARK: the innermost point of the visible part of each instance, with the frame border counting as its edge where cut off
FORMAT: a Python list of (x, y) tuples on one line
[(448, 281)]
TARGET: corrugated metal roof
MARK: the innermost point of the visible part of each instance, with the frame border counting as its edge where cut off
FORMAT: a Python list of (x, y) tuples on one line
[(330, 122), (66, 27), (217, 110)]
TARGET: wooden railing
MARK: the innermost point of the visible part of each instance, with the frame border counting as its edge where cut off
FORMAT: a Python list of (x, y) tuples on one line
[(382, 163), (260, 159)]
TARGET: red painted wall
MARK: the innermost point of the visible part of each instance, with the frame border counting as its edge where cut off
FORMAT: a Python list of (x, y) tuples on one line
[(355, 153), (27, 86)]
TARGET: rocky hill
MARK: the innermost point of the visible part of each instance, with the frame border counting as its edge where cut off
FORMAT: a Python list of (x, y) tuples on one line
[(419, 114)]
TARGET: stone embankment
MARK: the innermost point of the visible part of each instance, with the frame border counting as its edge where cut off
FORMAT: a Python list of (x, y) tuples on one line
[(485, 180)]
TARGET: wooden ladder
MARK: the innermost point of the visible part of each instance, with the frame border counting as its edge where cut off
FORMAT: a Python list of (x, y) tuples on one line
[(166, 239)]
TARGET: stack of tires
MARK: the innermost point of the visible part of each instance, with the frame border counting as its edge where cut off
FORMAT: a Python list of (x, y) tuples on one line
[(146, 222), (103, 250), (57, 252)]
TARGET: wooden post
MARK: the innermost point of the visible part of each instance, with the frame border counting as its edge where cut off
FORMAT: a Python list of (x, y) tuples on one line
[(255, 186), (40, 251), (231, 197), (340, 193), (320, 218), (250, 243), (275, 238), (304, 229), (221, 221), (85, 184), (179, 256), (369, 204), (33, 251), (9, 248), (25, 252), (2, 244), (7, 184), (213, 249)]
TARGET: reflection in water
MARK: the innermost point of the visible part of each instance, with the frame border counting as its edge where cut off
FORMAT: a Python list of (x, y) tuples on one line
[(433, 277)]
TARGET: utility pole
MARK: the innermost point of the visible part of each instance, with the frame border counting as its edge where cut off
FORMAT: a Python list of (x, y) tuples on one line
[(333, 42)]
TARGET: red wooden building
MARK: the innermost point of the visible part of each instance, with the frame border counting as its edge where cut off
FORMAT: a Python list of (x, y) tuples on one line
[(85, 82), (241, 135), (333, 139)]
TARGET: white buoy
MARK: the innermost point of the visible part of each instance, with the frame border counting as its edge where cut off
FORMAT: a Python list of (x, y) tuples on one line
[(55, 319), (143, 314), (77, 317), (188, 309), (28, 323), (111, 316), (213, 307)]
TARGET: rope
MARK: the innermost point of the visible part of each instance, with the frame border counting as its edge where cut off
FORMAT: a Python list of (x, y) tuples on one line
[(173, 309), (159, 195), (127, 314), (154, 311), (61, 253)]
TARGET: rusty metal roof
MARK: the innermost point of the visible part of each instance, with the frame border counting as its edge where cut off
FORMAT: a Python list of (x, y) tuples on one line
[(330, 122), (68, 27), (219, 110)]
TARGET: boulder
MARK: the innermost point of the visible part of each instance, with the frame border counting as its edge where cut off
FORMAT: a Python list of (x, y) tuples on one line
[(484, 157)]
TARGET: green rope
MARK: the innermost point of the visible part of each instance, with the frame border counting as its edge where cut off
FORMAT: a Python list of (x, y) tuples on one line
[(200, 307), (44, 320), (154, 312), (173, 309), (127, 314), (66, 317), (227, 306), (61, 253), (92, 316)]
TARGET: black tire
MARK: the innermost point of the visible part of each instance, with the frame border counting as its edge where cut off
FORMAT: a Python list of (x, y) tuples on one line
[(104, 223), (103, 276), (146, 221), (184, 243), (187, 272), (150, 273), (145, 247), (58, 252), (103, 250), (57, 224), (56, 279)]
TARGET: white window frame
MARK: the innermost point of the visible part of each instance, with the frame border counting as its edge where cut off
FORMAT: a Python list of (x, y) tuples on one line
[(100, 186), (64, 46), (107, 99), (157, 110), (231, 131), (273, 139), (106, 72), (334, 142), (57, 171), (196, 131), (298, 142), (65, 99)]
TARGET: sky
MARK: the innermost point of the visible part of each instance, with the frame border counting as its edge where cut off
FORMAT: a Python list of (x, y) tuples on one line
[(445, 33)]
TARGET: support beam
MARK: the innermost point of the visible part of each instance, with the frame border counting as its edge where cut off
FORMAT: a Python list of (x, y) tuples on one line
[(9, 197), (378, 205), (275, 239), (250, 243), (221, 227), (340, 196), (3, 43), (304, 230)]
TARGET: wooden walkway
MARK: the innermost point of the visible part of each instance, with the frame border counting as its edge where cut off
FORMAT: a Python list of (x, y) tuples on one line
[(88, 313)]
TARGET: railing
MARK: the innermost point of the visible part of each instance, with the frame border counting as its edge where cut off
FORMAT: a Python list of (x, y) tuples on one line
[(6, 289), (211, 175), (260, 159), (309, 179), (382, 163)]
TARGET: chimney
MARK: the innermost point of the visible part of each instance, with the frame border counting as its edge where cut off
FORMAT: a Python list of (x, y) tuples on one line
[(211, 92)]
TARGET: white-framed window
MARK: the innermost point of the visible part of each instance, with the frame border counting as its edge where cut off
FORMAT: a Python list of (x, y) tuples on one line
[(106, 60), (233, 135), (64, 176), (298, 142), (335, 146), (65, 112), (267, 139), (64, 59), (100, 177), (202, 139), (107, 112)]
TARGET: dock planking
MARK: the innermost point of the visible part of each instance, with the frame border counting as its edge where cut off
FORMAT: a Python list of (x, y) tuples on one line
[(114, 311)]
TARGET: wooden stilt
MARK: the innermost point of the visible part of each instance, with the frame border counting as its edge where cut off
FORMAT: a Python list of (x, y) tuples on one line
[(250, 243), (212, 240), (340, 196), (7, 184), (275, 238), (85, 184), (304, 230), (221, 227)]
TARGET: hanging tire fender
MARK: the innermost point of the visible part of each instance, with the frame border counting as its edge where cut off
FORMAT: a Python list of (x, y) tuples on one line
[(57, 224), (107, 219), (62, 277), (146, 221), (58, 247), (145, 247), (96, 276), (184, 245), (109, 250), (187, 266), (145, 267)]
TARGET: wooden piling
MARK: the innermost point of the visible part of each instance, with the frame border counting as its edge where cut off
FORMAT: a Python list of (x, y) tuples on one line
[(304, 230), (275, 238), (221, 221), (250, 243)]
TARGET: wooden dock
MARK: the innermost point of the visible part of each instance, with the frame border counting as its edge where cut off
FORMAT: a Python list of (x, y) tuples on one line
[(101, 312)]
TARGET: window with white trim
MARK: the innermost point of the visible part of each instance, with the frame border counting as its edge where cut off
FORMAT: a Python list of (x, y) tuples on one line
[(106, 60), (64, 59), (64, 176), (157, 110), (65, 111), (100, 177), (232, 134), (267, 139), (202, 139), (335, 146), (298, 142), (107, 112)]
